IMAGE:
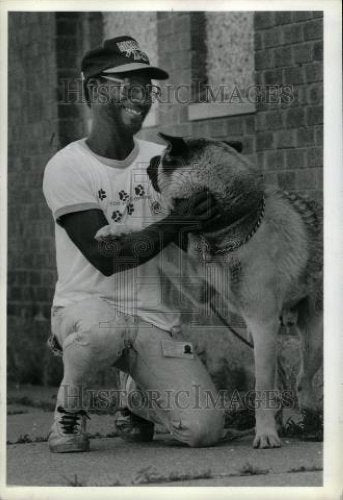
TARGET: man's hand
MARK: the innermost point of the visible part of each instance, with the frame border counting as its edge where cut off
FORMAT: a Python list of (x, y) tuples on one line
[(200, 210), (198, 213)]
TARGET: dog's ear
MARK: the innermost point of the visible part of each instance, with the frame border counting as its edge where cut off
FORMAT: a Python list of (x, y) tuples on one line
[(152, 171), (237, 145), (178, 146)]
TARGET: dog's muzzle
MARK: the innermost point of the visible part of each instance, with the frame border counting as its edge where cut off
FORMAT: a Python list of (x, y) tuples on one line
[(152, 171)]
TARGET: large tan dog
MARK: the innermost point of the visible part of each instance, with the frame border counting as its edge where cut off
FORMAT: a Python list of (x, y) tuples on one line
[(267, 253)]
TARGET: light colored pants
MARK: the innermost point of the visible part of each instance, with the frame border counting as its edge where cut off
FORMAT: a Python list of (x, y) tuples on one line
[(179, 392)]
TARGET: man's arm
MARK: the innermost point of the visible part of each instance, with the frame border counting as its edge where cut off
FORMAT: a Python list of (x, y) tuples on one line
[(128, 251)]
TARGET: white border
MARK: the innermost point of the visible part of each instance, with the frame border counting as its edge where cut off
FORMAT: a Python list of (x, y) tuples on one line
[(333, 203)]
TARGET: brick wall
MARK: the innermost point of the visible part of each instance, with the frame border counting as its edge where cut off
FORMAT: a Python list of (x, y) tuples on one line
[(43, 49), (32, 139), (289, 138)]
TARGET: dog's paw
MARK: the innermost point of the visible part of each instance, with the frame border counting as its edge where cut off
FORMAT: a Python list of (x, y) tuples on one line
[(110, 231), (267, 440), (103, 233)]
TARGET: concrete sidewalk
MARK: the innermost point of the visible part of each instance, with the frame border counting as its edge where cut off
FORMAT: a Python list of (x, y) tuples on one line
[(112, 462)]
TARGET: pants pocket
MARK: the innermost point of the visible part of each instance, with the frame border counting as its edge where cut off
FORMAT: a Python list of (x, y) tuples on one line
[(53, 341)]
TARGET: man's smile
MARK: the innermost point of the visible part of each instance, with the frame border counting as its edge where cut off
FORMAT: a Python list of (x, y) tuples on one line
[(132, 111)]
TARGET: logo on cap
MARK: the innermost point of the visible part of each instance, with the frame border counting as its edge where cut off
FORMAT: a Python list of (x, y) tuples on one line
[(130, 47)]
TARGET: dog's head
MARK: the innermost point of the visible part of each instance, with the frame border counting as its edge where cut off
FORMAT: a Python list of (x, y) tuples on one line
[(192, 165)]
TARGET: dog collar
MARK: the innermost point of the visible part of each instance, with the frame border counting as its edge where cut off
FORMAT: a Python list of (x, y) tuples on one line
[(236, 238)]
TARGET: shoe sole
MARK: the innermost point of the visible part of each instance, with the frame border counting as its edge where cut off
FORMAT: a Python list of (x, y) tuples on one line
[(69, 448)]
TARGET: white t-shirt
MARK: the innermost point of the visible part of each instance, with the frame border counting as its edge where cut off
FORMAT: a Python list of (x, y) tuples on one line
[(77, 179)]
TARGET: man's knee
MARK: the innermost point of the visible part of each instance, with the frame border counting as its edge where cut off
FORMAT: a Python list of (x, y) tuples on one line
[(200, 432), (206, 435), (95, 339)]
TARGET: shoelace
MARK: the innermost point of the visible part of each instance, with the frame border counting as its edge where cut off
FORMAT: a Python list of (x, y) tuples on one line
[(70, 421)]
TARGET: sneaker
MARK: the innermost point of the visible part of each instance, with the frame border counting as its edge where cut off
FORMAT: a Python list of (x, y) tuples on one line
[(68, 432), (132, 428)]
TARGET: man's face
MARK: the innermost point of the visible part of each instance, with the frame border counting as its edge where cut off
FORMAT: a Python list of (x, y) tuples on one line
[(123, 98)]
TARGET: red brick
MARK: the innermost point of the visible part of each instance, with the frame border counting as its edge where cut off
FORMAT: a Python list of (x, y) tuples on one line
[(217, 128), (295, 158), (248, 145), (313, 30), (318, 51), (319, 175), (275, 160), (48, 277), (34, 278), (285, 139), (305, 136), (302, 16), (315, 94), (295, 118), (258, 40), (314, 115), (15, 293), (292, 34), (319, 135), (295, 96), (264, 141), (271, 37), (249, 125), (260, 121), (293, 76), (263, 59), (273, 120), (271, 178), (28, 293), (314, 72), (260, 159), (234, 126), (286, 180), (273, 77), (306, 180), (283, 17), (200, 129), (178, 130), (302, 53), (315, 157), (283, 57), (263, 19)]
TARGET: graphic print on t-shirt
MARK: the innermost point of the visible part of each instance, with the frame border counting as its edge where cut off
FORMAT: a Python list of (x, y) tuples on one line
[(139, 190), (126, 200), (102, 194), (116, 216)]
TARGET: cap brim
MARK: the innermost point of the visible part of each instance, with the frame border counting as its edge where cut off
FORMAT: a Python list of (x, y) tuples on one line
[(152, 71)]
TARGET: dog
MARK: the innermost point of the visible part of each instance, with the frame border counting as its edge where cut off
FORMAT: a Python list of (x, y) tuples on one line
[(267, 254)]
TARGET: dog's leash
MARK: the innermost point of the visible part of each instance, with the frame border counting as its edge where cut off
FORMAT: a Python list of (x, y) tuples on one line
[(232, 330), (280, 368)]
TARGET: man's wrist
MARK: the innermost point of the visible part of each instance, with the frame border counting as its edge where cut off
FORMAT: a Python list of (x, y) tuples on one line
[(182, 223)]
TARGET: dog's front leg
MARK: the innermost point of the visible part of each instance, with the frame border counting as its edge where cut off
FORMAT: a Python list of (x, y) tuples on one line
[(266, 402)]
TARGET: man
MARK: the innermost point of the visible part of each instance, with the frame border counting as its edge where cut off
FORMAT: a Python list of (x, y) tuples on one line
[(108, 306)]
